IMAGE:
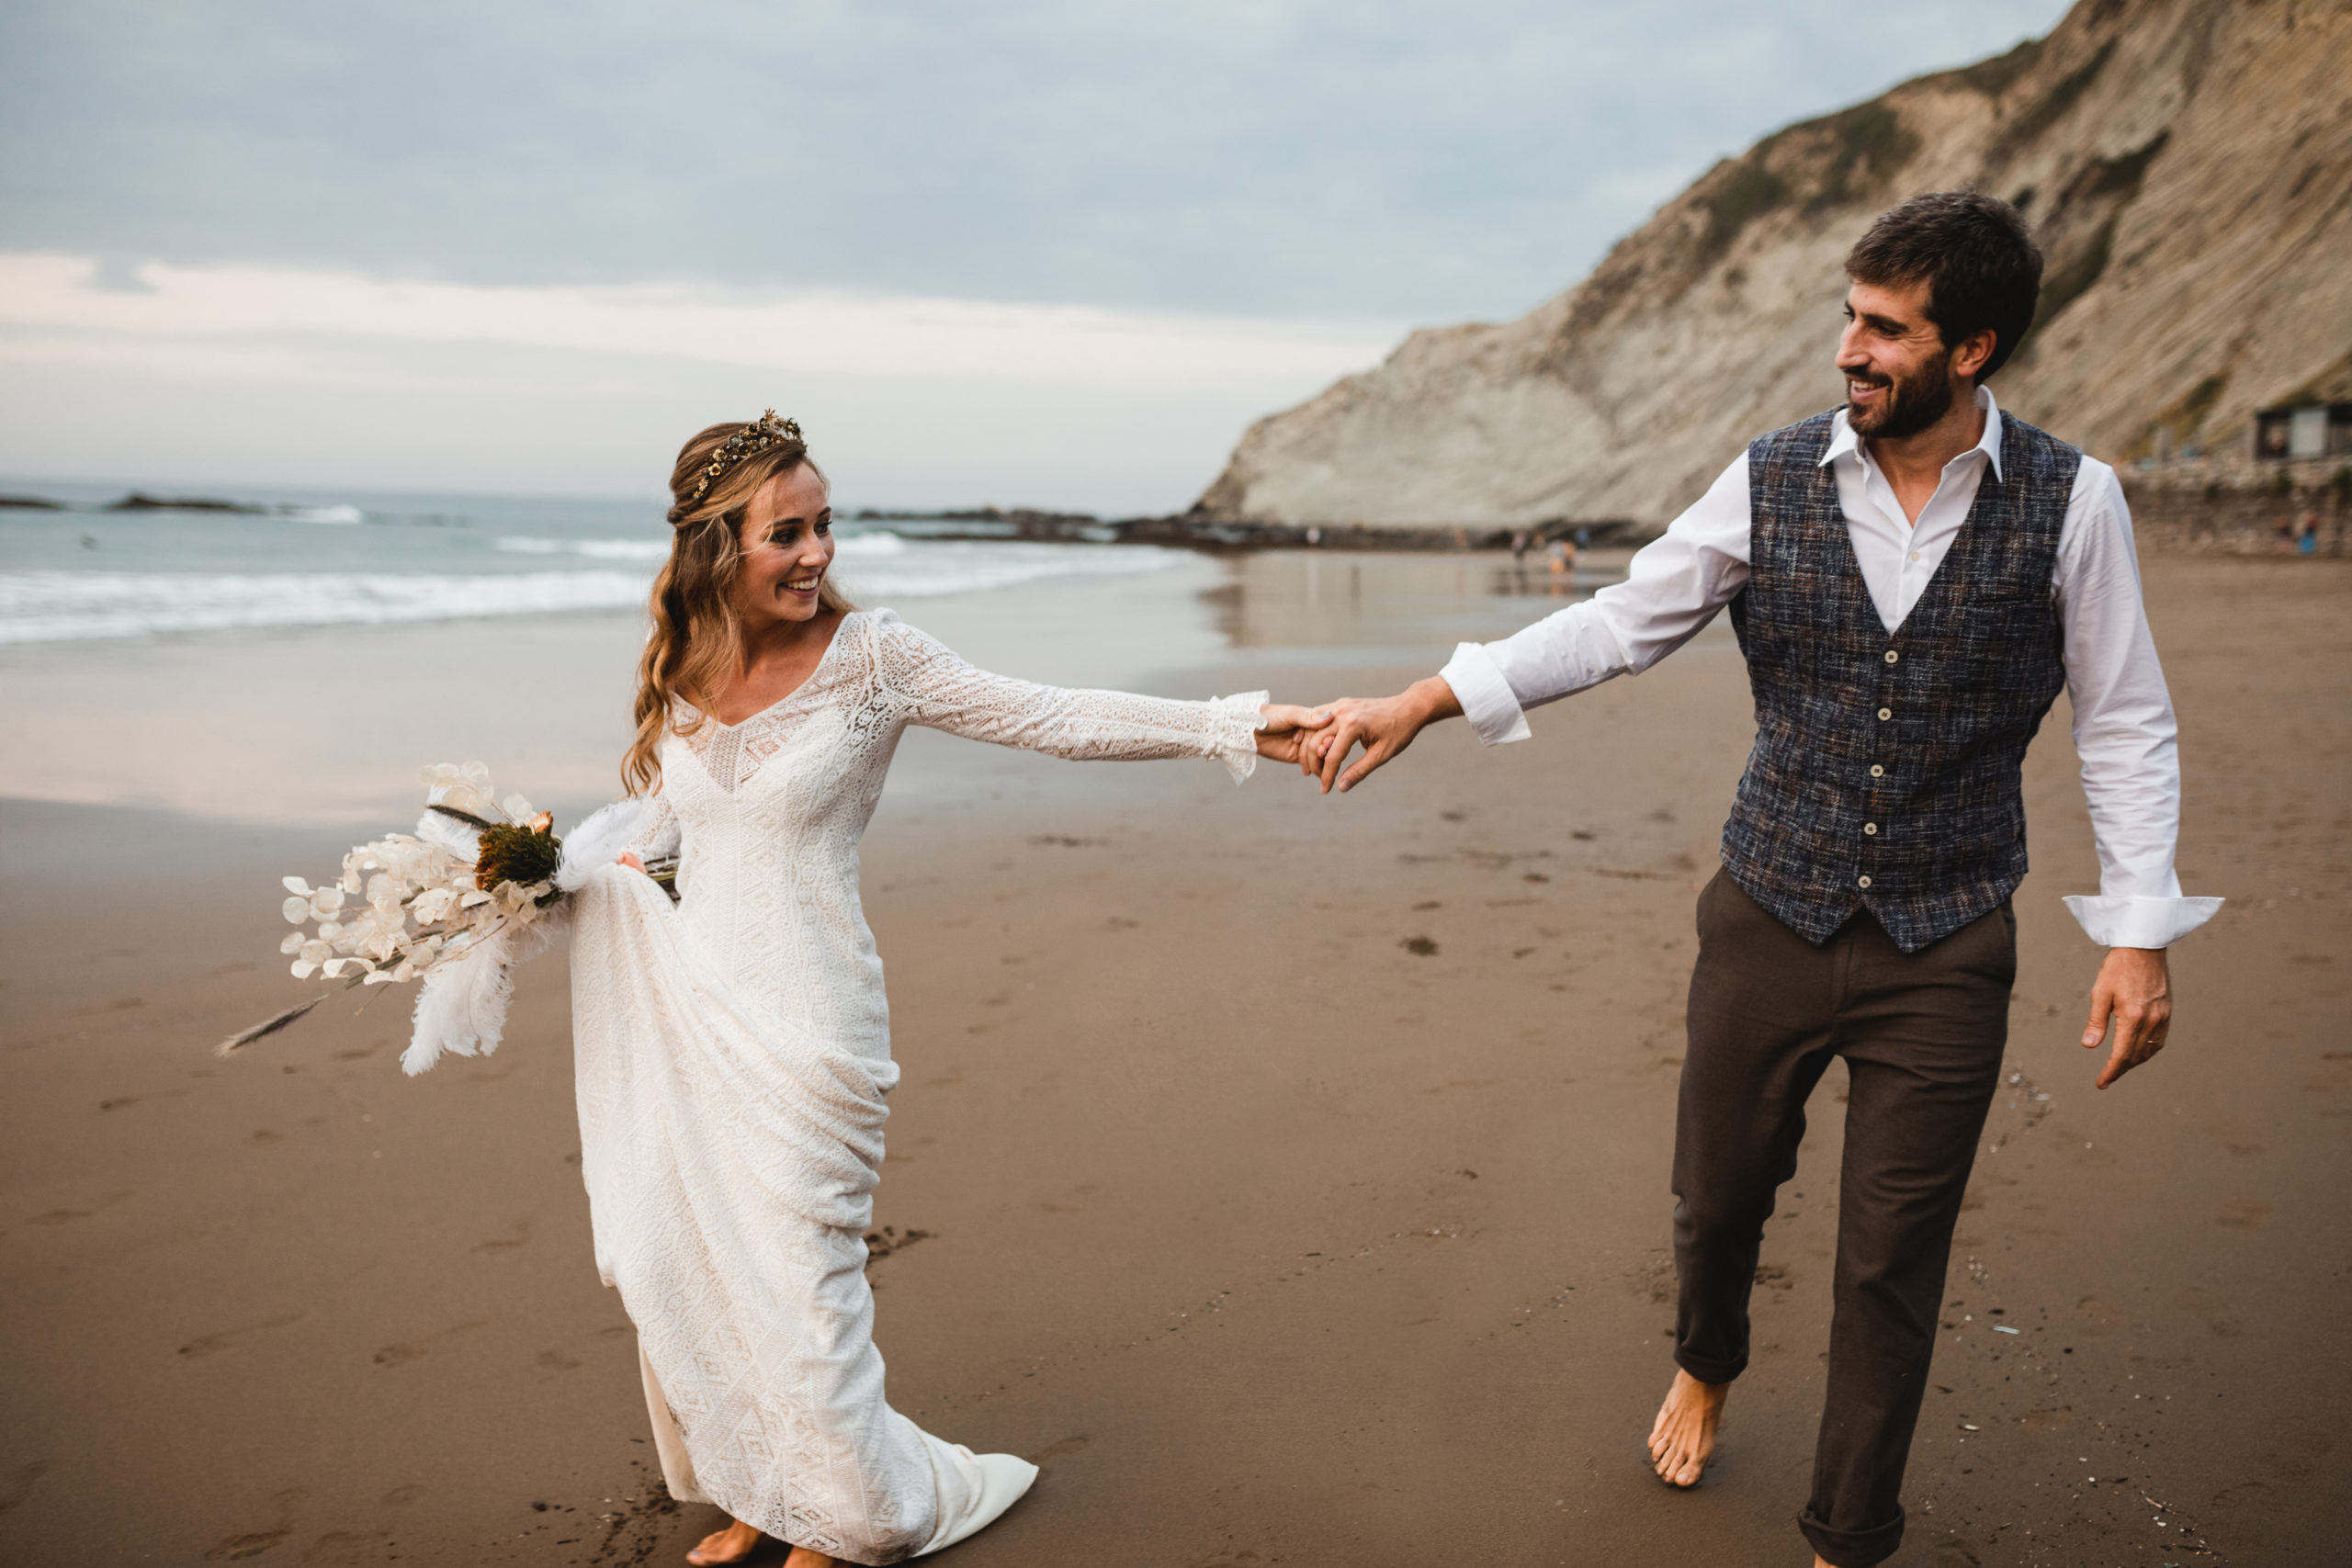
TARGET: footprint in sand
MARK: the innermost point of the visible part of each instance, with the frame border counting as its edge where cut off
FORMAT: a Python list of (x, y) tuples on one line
[(234, 1547), (20, 1484), (1068, 1445), (123, 1101), (889, 1239), (400, 1494), (64, 1216), (206, 1344), (403, 1353), (348, 1546), (506, 1244), (557, 1362)]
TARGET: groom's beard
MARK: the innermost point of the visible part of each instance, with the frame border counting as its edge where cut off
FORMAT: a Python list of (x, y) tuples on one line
[(1914, 403)]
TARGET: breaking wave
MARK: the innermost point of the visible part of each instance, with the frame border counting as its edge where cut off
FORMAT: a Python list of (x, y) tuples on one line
[(875, 568)]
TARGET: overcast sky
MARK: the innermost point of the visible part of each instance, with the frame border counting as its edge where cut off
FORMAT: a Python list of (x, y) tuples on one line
[(1047, 253)]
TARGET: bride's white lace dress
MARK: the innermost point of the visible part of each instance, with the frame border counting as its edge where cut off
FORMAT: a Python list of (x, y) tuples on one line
[(733, 1056)]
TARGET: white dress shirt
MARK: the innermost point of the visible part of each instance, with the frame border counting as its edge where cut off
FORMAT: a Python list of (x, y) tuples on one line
[(2124, 730)]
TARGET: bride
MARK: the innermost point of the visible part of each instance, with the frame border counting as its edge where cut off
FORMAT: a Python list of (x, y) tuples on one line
[(734, 1050)]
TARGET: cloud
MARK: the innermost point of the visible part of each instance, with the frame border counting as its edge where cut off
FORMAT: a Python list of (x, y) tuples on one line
[(291, 376), (1057, 251), (248, 312), (1295, 159)]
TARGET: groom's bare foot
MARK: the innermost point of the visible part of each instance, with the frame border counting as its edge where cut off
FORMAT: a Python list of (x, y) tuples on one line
[(733, 1544), (1683, 1439)]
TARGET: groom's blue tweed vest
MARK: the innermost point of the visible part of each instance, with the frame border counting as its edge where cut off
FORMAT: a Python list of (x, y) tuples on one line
[(1884, 775)]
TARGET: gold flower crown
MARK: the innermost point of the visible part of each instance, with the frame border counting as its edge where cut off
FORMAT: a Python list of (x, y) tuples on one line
[(754, 438)]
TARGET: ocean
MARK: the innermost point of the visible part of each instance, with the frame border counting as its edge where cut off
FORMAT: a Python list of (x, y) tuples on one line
[(319, 557), (295, 662)]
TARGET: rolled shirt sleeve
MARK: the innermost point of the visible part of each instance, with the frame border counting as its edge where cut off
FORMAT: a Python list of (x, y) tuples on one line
[(2125, 734)]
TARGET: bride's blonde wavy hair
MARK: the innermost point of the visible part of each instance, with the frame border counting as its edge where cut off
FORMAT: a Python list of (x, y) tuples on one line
[(696, 644)]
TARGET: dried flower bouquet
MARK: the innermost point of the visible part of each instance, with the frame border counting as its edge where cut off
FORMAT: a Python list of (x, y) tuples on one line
[(480, 886)]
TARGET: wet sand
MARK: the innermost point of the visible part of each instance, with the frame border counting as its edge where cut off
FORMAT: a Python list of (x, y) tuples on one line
[(1291, 1173)]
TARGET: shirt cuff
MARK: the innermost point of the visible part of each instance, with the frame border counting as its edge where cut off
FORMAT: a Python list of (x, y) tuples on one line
[(2141, 923), (1486, 699)]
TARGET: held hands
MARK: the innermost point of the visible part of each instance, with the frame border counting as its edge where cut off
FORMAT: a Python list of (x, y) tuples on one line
[(1382, 726), (2132, 994), (1288, 729)]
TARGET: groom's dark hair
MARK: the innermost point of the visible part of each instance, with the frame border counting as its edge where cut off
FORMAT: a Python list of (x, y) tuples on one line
[(1975, 253)]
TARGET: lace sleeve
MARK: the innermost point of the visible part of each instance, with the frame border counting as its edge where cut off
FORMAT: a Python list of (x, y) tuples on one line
[(657, 839), (934, 688)]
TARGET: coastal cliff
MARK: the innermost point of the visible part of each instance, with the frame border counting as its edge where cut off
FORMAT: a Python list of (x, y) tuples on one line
[(2187, 165)]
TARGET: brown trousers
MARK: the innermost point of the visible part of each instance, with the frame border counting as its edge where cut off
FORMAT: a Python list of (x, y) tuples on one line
[(1922, 1035)]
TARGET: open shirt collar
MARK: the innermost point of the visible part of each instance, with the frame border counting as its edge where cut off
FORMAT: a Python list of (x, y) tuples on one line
[(1844, 443)]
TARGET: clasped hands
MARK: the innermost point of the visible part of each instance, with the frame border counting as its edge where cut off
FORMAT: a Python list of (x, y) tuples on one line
[(1320, 739)]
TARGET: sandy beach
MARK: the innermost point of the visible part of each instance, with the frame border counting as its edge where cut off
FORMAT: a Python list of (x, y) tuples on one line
[(1287, 1174)]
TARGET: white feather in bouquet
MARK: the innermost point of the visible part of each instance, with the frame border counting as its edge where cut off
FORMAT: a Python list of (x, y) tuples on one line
[(482, 885)]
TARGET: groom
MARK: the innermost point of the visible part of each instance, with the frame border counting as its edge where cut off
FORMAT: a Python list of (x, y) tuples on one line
[(1913, 578)]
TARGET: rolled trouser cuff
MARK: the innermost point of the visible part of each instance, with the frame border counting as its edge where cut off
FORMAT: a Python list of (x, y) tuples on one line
[(1708, 1370), (1851, 1549)]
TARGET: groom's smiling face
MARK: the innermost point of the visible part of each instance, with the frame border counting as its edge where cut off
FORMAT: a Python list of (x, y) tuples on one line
[(1900, 377)]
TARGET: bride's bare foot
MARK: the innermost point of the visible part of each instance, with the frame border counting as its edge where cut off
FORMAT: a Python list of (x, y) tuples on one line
[(803, 1558), (1683, 1439), (733, 1544)]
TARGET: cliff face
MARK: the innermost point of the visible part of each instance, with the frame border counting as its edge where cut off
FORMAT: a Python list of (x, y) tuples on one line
[(2187, 165)]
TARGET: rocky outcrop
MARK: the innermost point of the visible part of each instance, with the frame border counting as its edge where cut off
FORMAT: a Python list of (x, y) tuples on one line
[(2187, 164)]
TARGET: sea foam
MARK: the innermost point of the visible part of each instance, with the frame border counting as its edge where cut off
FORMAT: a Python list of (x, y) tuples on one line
[(875, 568), (58, 607)]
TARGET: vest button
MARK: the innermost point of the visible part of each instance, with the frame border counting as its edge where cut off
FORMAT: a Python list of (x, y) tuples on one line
[(1871, 827), (1861, 882), (1891, 655), (1886, 713), (1877, 772)]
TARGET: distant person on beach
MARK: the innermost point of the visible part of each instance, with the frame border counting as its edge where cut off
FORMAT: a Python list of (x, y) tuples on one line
[(1563, 555), (1913, 579), (733, 1050)]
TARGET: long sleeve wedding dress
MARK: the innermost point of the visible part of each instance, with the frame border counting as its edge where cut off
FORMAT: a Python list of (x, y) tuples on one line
[(733, 1057)]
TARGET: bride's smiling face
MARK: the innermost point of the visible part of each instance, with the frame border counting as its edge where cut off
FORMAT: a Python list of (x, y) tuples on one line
[(787, 541)]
